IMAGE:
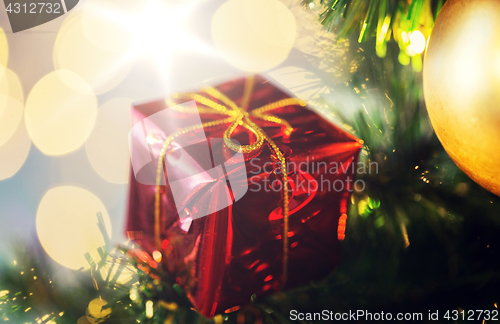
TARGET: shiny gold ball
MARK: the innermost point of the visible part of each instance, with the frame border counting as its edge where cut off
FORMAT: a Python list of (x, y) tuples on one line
[(462, 87)]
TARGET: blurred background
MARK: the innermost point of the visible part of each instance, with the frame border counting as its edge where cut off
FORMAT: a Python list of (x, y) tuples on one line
[(67, 87)]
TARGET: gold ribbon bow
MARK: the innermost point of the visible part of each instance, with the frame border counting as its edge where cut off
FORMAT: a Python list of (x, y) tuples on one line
[(235, 116)]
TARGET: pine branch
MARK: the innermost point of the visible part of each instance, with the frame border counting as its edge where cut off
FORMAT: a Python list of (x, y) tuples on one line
[(382, 20)]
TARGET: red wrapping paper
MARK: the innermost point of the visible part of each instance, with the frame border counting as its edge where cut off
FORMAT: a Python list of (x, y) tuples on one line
[(238, 251)]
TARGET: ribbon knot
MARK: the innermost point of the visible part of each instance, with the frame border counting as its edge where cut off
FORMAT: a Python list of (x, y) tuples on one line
[(236, 116), (240, 116)]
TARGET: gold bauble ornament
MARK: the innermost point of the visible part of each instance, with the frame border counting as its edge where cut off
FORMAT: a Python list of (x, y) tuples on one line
[(462, 87)]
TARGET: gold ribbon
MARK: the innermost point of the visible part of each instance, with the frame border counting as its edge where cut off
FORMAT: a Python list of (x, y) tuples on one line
[(236, 116)]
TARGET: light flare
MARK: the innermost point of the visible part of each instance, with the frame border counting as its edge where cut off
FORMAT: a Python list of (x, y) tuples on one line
[(157, 29)]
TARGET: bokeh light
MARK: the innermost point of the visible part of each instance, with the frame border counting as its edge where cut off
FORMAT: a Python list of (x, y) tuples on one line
[(107, 146), (417, 43), (4, 49), (103, 22), (96, 312), (103, 39), (11, 113), (102, 68), (10, 85), (157, 256), (66, 224), (14, 152), (254, 35), (83, 320), (100, 25), (11, 103), (60, 112)]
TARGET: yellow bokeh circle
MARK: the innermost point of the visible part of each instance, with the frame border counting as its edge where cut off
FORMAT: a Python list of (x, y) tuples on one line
[(102, 68), (10, 86), (66, 224), (60, 112), (107, 146), (108, 24), (11, 104), (254, 35), (4, 49), (11, 113), (14, 152), (96, 312)]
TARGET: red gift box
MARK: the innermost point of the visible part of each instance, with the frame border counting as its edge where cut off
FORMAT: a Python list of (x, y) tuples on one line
[(282, 230)]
